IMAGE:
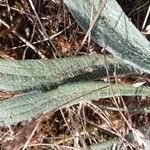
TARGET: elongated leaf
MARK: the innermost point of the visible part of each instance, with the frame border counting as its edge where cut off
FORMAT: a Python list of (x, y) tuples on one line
[(30, 75), (146, 144), (108, 145), (114, 31), (31, 104)]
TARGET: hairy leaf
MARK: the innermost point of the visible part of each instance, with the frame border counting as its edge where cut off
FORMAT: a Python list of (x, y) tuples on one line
[(114, 31), (31, 104), (27, 75)]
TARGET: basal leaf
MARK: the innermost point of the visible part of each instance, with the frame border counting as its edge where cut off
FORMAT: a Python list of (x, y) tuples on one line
[(30, 75), (31, 104), (113, 31)]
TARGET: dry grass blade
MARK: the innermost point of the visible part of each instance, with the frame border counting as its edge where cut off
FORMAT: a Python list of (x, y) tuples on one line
[(146, 18), (43, 30), (28, 141), (92, 23), (23, 39), (45, 39)]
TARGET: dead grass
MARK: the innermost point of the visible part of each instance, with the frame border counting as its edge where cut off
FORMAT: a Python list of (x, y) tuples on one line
[(48, 32)]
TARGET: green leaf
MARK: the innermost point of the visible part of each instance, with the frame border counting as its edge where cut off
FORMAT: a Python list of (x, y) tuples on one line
[(108, 145), (114, 31), (28, 75), (31, 104)]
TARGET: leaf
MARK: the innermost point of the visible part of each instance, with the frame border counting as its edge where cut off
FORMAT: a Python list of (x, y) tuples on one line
[(108, 145), (113, 31), (30, 75), (28, 105), (146, 144)]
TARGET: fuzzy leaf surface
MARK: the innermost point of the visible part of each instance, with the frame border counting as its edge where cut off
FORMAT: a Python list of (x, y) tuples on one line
[(113, 31)]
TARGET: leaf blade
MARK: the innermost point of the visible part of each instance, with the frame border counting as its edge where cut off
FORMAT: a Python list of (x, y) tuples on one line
[(113, 31), (30, 75), (31, 104)]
